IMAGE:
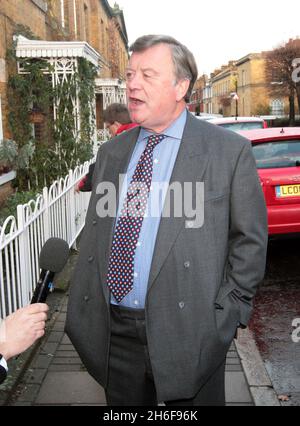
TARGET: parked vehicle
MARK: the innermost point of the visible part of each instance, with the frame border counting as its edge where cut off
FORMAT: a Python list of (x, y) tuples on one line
[(205, 116), (277, 155), (240, 123)]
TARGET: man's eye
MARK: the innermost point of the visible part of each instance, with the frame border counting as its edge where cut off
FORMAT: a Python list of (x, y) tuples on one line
[(129, 75)]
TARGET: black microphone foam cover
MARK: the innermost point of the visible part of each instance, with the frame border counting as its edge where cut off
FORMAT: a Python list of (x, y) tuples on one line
[(54, 255)]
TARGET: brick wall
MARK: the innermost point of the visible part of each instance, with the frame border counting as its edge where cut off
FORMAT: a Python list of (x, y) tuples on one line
[(5, 191), (29, 15)]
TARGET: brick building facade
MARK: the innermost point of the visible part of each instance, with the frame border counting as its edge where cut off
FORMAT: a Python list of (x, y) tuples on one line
[(223, 85), (247, 78), (254, 97), (94, 22)]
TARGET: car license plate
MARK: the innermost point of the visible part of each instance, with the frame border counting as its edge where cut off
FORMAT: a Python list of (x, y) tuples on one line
[(288, 191)]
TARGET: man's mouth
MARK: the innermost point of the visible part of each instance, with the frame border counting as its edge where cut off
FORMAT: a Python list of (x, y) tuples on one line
[(136, 101)]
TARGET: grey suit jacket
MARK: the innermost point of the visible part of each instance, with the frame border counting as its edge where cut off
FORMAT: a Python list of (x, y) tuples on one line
[(201, 281)]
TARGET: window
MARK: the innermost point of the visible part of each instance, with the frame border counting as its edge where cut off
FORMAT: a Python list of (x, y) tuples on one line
[(239, 125), (276, 76), (65, 14), (277, 154), (102, 36), (86, 23), (107, 42), (243, 78), (277, 107)]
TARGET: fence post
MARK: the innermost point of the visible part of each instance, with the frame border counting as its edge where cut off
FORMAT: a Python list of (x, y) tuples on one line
[(24, 256), (46, 219), (72, 210)]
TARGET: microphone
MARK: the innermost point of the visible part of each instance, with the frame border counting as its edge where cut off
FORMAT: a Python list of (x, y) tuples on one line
[(53, 257)]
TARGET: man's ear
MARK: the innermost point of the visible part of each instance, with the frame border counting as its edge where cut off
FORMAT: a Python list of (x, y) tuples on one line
[(182, 87)]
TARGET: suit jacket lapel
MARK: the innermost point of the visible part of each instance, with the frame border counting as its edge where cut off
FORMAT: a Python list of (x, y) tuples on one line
[(190, 166)]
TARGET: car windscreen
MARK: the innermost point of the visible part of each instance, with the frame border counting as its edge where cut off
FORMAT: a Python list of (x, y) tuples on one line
[(277, 154), (237, 126)]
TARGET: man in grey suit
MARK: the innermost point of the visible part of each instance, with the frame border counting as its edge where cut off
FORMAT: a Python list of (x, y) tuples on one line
[(156, 299)]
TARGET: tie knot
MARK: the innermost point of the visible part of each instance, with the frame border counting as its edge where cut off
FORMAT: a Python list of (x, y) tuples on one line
[(154, 140)]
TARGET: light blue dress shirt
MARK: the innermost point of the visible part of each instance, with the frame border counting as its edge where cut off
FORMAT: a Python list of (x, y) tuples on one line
[(164, 157)]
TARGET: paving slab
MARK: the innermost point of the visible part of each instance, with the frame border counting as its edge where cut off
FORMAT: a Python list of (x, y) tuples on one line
[(55, 336), (35, 376), (236, 388), (234, 368), (64, 367), (28, 393), (70, 388)]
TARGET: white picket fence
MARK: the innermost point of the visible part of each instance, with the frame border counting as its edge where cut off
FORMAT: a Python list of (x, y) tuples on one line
[(57, 212)]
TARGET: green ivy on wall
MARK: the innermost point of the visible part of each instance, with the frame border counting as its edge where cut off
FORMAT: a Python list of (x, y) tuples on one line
[(86, 84), (59, 147)]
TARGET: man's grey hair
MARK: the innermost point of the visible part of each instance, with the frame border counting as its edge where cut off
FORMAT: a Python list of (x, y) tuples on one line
[(184, 61)]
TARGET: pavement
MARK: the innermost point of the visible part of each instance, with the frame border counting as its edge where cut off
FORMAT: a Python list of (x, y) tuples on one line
[(52, 374)]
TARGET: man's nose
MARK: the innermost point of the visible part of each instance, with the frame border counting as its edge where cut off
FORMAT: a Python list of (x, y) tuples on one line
[(135, 82)]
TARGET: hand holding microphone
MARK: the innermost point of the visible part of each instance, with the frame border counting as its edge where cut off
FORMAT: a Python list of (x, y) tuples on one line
[(23, 327)]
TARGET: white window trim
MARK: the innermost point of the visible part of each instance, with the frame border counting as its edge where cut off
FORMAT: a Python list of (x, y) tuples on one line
[(62, 8)]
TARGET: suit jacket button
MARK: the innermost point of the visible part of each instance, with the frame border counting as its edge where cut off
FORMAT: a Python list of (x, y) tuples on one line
[(187, 264), (86, 298), (94, 222), (181, 305), (90, 259)]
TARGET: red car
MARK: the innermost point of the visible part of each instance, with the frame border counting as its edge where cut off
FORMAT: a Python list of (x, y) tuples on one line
[(237, 124), (277, 154)]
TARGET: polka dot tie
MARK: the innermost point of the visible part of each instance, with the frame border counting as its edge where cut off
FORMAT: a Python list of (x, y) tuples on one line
[(121, 261)]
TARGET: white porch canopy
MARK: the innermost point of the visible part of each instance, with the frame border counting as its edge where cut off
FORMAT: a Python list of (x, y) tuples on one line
[(57, 49), (112, 89), (63, 57)]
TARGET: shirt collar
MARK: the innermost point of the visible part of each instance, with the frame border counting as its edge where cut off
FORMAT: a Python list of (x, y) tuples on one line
[(175, 130)]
